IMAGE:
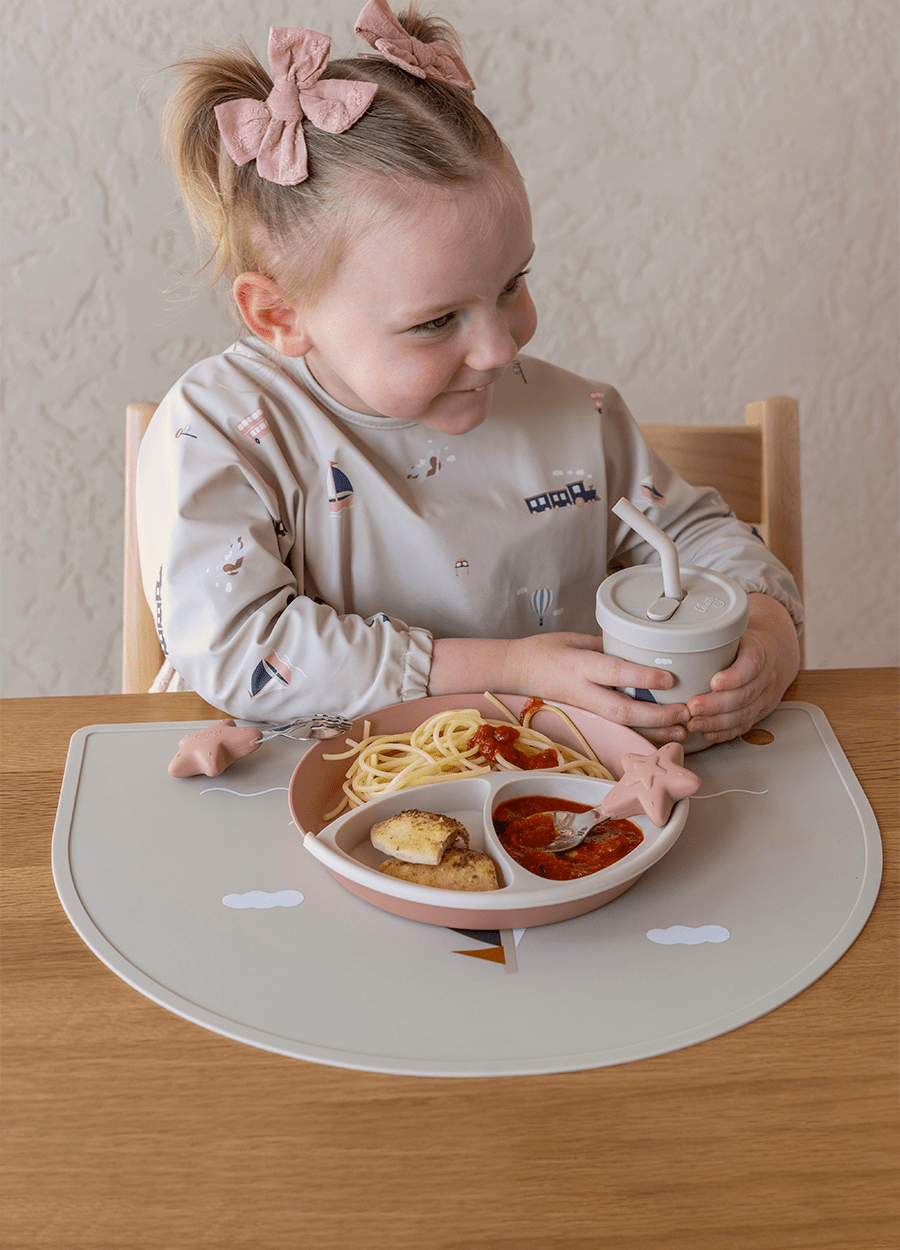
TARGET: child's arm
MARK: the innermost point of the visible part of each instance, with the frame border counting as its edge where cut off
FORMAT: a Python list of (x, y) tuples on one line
[(573, 669), (220, 529), (570, 668)]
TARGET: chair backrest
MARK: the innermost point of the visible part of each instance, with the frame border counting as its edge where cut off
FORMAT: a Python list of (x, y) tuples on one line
[(142, 655), (755, 467)]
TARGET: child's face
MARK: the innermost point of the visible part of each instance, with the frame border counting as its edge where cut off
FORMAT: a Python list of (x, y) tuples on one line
[(426, 311)]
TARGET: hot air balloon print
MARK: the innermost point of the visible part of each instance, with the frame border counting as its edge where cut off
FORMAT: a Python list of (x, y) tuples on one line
[(541, 601)]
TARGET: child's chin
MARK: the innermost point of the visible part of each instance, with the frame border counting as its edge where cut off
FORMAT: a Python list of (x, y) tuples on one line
[(464, 413), (457, 426)]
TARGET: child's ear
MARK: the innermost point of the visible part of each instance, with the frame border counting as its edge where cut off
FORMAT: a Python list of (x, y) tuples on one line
[(269, 315)]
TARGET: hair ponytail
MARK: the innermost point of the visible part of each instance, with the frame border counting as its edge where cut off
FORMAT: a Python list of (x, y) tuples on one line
[(428, 28), (206, 178)]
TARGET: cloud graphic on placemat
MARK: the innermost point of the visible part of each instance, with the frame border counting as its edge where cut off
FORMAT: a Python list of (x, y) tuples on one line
[(260, 899), (682, 934)]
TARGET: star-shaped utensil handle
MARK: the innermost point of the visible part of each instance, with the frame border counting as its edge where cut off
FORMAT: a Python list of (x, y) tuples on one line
[(651, 784), (211, 750)]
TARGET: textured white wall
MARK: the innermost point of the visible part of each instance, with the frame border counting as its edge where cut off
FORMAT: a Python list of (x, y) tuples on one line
[(714, 187)]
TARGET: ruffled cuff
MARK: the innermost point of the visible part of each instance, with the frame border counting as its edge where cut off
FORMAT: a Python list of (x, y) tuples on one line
[(417, 665)]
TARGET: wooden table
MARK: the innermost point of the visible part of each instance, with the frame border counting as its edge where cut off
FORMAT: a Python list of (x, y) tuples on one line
[(128, 1127)]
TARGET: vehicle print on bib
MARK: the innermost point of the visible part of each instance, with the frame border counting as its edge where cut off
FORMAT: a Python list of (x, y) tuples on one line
[(255, 426), (574, 495), (461, 567), (340, 489)]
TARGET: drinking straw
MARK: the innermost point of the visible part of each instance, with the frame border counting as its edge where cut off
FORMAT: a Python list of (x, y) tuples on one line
[(660, 541)]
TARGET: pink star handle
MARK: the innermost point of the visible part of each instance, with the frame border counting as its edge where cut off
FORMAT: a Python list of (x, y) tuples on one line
[(208, 752), (651, 785)]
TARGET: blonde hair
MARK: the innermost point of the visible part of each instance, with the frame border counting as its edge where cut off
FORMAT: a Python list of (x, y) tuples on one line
[(416, 131)]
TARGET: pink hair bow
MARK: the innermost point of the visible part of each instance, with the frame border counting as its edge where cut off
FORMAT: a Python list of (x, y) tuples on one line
[(380, 28), (271, 132)]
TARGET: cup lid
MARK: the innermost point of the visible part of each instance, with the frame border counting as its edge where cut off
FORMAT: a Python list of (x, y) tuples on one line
[(713, 612)]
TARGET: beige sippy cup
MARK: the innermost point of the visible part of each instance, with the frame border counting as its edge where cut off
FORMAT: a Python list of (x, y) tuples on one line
[(688, 621)]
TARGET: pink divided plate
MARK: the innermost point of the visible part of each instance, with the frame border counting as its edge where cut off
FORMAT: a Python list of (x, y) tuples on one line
[(524, 900)]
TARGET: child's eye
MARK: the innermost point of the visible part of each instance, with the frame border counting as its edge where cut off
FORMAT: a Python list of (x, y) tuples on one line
[(516, 282), (439, 323)]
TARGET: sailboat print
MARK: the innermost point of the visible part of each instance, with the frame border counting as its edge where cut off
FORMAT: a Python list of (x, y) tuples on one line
[(271, 668), (340, 489)]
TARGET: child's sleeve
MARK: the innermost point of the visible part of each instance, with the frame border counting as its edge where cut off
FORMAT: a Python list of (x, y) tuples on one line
[(226, 587), (697, 519)]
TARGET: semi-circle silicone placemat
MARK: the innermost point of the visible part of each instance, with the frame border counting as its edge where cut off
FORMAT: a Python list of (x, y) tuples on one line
[(198, 893)]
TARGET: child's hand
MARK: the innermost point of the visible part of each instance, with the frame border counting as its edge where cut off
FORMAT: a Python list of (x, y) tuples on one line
[(572, 668), (766, 663)]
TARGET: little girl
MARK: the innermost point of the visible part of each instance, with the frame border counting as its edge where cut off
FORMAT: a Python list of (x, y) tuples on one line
[(373, 496)]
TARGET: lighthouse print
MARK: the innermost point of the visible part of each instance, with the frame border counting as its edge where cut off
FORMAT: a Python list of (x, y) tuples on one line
[(340, 489)]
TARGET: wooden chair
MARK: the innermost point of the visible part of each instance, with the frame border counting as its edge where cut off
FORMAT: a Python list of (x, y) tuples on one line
[(142, 655), (755, 467)]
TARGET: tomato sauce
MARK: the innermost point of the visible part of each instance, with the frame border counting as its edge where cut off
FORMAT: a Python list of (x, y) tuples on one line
[(494, 740), (523, 827), (532, 704)]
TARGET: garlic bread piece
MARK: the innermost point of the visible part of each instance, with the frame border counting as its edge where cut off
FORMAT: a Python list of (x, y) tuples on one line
[(418, 837), (460, 869)]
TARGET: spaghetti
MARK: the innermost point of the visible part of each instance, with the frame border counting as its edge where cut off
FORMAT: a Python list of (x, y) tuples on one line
[(456, 744)]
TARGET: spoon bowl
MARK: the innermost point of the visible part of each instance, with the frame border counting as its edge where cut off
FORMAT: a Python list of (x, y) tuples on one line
[(571, 828)]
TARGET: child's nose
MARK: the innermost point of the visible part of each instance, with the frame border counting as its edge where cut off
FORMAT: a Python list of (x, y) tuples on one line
[(492, 345)]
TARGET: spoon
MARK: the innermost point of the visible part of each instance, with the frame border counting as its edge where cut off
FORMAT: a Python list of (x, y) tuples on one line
[(314, 727), (572, 828)]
